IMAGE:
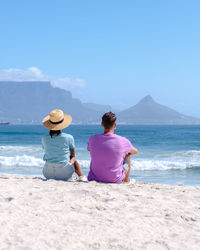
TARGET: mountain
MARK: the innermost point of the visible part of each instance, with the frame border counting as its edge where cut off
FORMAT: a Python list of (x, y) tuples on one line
[(29, 102), (97, 107), (147, 111)]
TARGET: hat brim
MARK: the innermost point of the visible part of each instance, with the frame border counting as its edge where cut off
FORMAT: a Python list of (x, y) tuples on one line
[(65, 123)]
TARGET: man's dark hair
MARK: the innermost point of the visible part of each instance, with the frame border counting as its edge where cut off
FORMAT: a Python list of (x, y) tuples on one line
[(108, 120)]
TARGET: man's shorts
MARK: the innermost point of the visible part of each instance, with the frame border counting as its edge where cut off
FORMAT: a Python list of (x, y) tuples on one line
[(58, 171)]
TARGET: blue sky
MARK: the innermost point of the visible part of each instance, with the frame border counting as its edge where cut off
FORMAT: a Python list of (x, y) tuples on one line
[(118, 50)]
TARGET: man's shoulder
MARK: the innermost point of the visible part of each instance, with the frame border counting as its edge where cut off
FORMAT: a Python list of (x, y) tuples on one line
[(119, 137), (97, 136), (123, 140), (92, 137)]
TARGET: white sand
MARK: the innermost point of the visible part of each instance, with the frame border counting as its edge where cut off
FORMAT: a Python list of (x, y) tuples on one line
[(37, 214)]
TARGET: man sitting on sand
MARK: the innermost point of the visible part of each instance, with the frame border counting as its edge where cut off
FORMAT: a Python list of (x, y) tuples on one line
[(110, 154)]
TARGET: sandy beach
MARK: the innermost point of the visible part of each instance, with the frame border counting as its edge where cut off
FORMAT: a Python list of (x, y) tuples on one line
[(39, 214)]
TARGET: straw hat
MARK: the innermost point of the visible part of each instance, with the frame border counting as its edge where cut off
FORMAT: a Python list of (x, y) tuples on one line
[(57, 120)]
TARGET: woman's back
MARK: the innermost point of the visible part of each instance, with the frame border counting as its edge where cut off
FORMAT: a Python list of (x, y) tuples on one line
[(57, 148)]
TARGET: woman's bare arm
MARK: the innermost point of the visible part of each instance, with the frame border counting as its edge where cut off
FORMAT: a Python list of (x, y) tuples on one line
[(72, 155)]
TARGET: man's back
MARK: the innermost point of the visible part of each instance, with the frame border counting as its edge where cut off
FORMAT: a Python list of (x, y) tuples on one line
[(107, 155)]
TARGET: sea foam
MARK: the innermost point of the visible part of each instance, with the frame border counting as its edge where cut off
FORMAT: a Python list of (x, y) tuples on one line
[(31, 156), (26, 161)]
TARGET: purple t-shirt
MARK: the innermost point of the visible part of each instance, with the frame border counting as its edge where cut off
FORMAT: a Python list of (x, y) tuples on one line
[(107, 154)]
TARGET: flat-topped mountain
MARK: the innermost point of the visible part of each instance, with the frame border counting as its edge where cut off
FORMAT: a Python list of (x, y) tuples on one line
[(147, 111), (29, 102)]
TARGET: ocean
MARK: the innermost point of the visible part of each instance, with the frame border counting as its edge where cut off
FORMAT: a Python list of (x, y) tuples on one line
[(167, 154)]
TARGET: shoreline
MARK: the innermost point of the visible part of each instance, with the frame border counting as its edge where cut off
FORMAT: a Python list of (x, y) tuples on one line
[(39, 214)]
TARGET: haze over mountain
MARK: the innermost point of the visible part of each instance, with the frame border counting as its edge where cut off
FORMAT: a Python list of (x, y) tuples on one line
[(29, 102), (97, 107)]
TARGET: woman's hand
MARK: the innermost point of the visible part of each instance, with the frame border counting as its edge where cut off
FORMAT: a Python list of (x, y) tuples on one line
[(72, 160)]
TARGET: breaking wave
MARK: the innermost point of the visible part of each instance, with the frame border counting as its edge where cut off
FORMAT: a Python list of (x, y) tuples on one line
[(21, 161), (26, 161), (30, 157)]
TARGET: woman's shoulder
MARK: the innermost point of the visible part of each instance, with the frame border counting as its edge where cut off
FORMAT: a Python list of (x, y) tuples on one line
[(67, 136), (45, 136)]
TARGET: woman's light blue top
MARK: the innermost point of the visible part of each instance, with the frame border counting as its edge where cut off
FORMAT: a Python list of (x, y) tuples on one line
[(57, 148)]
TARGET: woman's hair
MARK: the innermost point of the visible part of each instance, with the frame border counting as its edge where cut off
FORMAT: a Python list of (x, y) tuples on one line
[(54, 132)]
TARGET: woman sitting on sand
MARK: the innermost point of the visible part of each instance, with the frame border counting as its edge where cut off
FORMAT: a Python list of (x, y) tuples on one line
[(59, 157)]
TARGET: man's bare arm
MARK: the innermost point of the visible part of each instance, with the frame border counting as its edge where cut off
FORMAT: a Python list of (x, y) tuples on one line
[(133, 151)]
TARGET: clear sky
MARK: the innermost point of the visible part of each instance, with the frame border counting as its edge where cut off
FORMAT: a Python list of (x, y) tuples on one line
[(109, 51)]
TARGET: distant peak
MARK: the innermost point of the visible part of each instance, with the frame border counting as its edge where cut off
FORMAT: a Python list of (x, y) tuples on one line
[(147, 99)]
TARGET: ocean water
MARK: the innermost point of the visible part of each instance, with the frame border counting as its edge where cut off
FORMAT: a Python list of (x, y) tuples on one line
[(167, 154)]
